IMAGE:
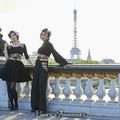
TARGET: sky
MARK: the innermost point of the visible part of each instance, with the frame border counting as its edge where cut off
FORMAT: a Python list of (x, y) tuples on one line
[(98, 25)]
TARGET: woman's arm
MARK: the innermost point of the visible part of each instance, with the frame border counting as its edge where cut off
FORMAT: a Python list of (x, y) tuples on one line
[(6, 51), (58, 58), (30, 61), (26, 55)]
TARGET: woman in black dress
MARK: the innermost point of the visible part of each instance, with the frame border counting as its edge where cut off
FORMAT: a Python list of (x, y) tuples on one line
[(40, 73), (14, 70)]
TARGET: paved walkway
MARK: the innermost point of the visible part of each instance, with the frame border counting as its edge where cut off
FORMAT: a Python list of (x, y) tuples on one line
[(26, 115), (16, 115)]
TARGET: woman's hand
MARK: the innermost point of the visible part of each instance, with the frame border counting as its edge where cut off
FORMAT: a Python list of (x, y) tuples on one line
[(30, 62)]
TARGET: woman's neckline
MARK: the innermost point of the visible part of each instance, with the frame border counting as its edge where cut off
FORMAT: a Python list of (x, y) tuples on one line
[(16, 45), (45, 42)]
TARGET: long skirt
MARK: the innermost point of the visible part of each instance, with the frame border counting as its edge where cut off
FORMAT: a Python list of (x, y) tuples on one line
[(39, 86), (15, 71)]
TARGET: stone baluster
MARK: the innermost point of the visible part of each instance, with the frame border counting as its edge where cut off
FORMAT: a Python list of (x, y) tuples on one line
[(89, 91), (67, 89), (112, 93), (19, 89), (57, 89), (78, 91), (27, 89), (49, 89), (101, 90)]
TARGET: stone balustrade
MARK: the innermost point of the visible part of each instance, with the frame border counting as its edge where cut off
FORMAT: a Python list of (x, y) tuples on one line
[(91, 89)]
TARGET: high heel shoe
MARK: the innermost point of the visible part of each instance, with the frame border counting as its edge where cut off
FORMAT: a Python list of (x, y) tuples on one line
[(38, 113), (12, 108), (16, 106)]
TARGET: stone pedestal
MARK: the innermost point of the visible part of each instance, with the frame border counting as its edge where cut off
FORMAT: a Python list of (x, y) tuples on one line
[(3, 94)]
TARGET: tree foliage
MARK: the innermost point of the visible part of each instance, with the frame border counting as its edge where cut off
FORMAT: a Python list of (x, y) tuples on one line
[(76, 62)]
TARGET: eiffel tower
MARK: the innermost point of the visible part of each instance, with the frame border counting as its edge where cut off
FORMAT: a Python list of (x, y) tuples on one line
[(75, 52)]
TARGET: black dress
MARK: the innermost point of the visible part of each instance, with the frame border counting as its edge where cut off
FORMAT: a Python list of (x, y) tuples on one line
[(40, 76), (14, 69)]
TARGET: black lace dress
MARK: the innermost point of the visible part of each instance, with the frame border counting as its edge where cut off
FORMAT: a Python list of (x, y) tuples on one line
[(40, 76), (14, 69)]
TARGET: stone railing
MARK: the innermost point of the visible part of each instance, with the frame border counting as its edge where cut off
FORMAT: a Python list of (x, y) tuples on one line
[(91, 89)]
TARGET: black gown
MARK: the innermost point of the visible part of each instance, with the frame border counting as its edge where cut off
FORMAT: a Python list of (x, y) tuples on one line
[(40, 76), (14, 70)]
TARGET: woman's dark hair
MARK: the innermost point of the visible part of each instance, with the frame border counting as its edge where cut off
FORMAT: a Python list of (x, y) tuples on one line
[(16, 33), (47, 31)]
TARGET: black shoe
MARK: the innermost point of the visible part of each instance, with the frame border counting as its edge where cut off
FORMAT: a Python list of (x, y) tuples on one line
[(38, 113), (12, 108), (41, 113), (16, 106), (44, 112)]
